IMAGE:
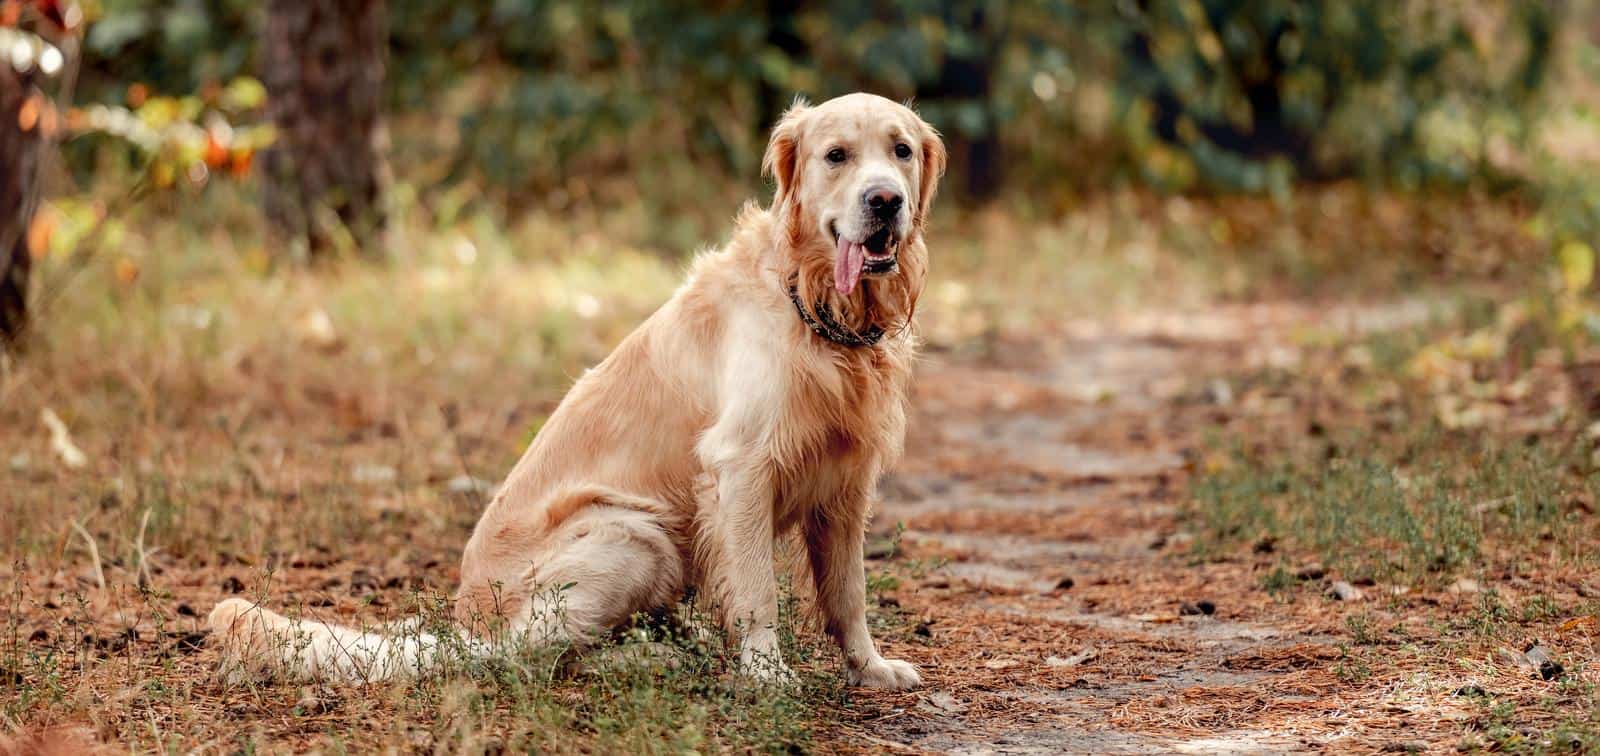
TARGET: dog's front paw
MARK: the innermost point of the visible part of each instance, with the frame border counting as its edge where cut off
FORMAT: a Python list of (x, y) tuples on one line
[(768, 670), (761, 661), (889, 674)]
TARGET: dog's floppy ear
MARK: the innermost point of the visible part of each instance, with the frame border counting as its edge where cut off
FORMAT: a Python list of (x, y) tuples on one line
[(933, 164), (782, 158)]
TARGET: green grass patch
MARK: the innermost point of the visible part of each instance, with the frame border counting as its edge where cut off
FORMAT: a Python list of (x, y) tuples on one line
[(1410, 504)]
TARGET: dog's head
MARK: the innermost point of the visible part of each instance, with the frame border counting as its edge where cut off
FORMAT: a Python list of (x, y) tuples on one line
[(855, 176)]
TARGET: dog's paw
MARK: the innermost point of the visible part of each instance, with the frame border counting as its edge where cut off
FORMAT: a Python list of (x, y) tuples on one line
[(889, 674), (768, 669)]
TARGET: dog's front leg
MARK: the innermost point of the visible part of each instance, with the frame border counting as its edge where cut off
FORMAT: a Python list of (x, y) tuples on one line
[(834, 545), (738, 529), (735, 526)]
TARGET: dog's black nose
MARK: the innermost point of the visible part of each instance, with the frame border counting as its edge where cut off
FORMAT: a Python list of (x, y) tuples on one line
[(884, 202)]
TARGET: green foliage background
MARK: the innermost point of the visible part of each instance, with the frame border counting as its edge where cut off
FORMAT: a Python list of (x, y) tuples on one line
[(1234, 95)]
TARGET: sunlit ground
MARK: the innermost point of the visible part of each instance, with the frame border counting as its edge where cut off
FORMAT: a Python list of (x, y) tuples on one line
[(241, 419)]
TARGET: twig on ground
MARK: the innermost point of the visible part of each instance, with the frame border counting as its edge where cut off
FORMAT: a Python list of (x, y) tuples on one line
[(94, 553)]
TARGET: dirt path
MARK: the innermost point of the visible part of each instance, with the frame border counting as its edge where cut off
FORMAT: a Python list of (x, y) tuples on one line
[(1048, 477)]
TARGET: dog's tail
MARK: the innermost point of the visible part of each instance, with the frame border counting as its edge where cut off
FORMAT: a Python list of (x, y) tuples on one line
[(256, 641)]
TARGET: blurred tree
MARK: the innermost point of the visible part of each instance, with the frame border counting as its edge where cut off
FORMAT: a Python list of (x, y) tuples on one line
[(1255, 93), (36, 38), (166, 45), (966, 80), (323, 66), (549, 97), (783, 39)]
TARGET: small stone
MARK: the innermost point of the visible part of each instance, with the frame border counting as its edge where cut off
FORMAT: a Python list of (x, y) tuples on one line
[(1065, 584), (1538, 657), (1345, 592)]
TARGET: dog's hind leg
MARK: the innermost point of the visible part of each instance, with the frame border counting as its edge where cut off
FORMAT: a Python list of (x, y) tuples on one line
[(605, 563)]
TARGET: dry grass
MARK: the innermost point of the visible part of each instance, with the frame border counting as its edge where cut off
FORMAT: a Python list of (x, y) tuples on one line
[(318, 438)]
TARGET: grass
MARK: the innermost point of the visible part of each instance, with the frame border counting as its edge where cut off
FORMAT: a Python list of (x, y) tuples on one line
[(313, 438), (1473, 540), (206, 384), (1417, 454), (656, 686), (1418, 504)]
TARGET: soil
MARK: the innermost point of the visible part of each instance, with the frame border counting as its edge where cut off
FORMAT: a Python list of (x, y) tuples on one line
[(1047, 587), (1047, 479)]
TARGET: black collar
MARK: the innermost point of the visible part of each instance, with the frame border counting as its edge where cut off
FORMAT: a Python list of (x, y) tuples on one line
[(823, 324)]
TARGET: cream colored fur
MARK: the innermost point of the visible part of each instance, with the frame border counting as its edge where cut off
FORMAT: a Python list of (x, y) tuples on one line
[(719, 425)]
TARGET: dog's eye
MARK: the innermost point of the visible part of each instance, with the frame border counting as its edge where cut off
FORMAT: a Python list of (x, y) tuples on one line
[(902, 151), (837, 155)]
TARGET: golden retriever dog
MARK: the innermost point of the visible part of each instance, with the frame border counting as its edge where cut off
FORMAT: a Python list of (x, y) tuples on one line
[(766, 397)]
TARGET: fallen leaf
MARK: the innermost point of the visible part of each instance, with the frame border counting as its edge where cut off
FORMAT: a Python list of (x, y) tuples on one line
[(1588, 624), (316, 330), (1156, 618), (1577, 265), (1074, 660)]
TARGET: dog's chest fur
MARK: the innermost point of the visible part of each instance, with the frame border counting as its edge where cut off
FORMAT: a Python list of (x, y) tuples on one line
[(842, 425)]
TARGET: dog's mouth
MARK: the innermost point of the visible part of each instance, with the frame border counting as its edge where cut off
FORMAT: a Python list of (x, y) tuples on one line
[(875, 256)]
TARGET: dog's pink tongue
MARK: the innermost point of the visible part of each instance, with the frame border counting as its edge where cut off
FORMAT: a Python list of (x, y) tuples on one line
[(847, 265)]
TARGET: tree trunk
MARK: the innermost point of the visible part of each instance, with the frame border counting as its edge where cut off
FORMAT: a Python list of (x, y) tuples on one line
[(783, 34), (323, 68), (966, 78), (20, 151)]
